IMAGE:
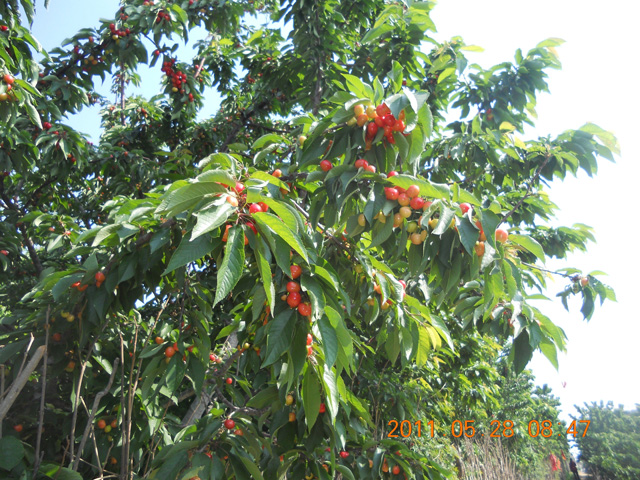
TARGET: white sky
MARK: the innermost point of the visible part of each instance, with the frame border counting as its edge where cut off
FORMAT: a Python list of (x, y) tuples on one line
[(598, 84)]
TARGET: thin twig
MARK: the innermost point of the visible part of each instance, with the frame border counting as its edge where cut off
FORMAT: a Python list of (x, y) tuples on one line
[(123, 471), (94, 409), (93, 438), (79, 388), (42, 394), (1, 390)]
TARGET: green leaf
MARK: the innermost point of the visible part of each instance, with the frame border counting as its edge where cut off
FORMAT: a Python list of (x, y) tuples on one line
[(522, 351), (217, 175), (189, 251), (468, 234), (528, 243), (424, 346), (268, 139), (358, 87), (311, 396), (11, 453), (329, 341), (279, 333), (34, 116), (186, 197), (283, 231), (427, 189), (232, 264), (331, 391), (266, 177), (211, 218), (263, 256)]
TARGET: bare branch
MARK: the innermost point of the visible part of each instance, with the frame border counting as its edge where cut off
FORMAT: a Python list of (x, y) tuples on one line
[(94, 409)]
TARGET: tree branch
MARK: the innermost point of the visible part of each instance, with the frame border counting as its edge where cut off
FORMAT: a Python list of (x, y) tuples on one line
[(528, 192), (94, 409)]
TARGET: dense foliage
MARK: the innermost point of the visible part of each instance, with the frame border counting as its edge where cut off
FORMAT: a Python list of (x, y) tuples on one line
[(352, 239), (611, 443)]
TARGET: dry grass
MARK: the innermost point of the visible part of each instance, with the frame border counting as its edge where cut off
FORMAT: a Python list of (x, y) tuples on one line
[(488, 459)]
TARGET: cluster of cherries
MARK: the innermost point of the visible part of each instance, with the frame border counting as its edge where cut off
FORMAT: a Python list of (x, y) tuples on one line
[(293, 297), (8, 80), (100, 278), (178, 78), (239, 200), (376, 118), (116, 33), (163, 16)]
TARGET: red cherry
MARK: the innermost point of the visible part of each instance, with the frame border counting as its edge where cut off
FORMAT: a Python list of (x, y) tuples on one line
[(326, 165), (46, 125), (18, 427), (323, 409), (390, 139), (399, 126), (212, 357), (413, 191), (255, 208), (309, 336), (239, 187), (8, 79), (304, 309), (296, 271), (389, 120), (100, 277), (392, 173), (169, 352), (391, 193), (395, 470), (382, 109), (370, 168), (229, 381), (4, 252), (264, 206), (372, 129), (4, 28), (378, 121), (252, 227), (294, 299), (344, 454), (465, 207), (293, 287), (361, 163), (417, 203), (277, 173), (229, 424)]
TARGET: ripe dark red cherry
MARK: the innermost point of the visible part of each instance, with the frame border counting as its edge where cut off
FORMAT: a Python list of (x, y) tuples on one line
[(372, 129), (255, 208), (361, 163), (465, 207), (391, 193), (229, 424), (294, 299), (326, 165), (293, 287)]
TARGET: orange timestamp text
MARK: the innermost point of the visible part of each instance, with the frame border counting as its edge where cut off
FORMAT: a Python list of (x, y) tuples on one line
[(498, 429)]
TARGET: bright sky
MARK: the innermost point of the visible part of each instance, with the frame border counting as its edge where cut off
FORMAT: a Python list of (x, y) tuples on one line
[(597, 84)]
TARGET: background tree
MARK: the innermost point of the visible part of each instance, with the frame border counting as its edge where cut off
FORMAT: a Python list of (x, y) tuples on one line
[(228, 298), (610, 444)]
